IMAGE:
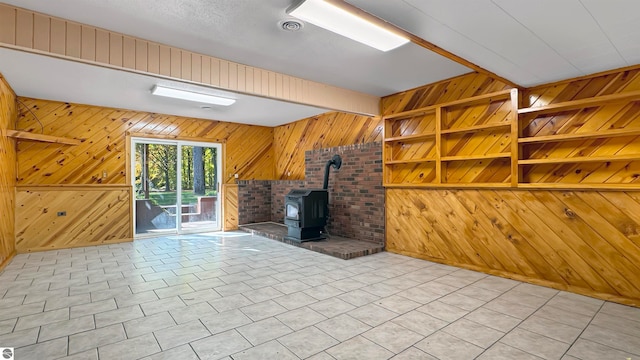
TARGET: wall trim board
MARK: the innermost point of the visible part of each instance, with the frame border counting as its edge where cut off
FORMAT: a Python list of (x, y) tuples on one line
[(114, 50), (526, 279)]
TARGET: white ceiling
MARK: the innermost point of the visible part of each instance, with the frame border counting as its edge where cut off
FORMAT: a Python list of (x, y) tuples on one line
[(527, 42)]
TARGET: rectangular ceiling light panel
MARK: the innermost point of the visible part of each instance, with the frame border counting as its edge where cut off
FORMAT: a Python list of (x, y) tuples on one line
[(345, 23), (191, 96)]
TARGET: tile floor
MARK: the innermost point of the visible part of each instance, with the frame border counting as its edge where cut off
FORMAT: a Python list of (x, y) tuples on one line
[(246, 297)]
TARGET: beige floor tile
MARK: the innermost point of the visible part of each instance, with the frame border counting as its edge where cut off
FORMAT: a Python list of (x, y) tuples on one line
[(300, 318), (448, 347), (264, 330), (473, 332), (220, 345), (359, 348), (535, 344), (393, 337), (500, 351), (420, 322), (130, 349), (271, 350), (92, 339), (181, 334), (343, 327)]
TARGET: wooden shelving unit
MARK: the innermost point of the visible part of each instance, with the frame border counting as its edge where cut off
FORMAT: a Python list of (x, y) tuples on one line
[(488, 141), (448, 145), (29, 136)]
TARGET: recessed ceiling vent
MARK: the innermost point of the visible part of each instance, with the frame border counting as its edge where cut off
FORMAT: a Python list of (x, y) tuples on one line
[(291, 25)]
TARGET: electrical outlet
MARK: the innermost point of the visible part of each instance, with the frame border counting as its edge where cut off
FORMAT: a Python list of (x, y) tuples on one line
[(236, 176), (62, 213), (104, 174)]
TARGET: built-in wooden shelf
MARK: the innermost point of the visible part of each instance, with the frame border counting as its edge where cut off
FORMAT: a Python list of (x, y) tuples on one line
[(511, 121), (475, 157), (582, 103), (579, 159), (570, 137), (408, 161), (29, 136), (476, 128), (414, 137), (443, 117)]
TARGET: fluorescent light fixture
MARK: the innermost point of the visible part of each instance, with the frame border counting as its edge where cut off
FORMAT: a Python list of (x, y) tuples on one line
[(191, 96), (333, 18)]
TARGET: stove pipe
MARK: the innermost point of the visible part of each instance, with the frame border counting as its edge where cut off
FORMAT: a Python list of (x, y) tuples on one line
[(336, 162)]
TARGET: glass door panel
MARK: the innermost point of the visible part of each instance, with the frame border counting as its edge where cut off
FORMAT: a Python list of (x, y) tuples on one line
[(199, 188), (156, 187), (176, 186)]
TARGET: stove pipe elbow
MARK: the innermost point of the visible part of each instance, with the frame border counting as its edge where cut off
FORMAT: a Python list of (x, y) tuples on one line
[(336, 162)]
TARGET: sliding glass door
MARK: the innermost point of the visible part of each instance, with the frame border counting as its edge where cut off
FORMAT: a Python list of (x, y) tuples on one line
[(176, 186)]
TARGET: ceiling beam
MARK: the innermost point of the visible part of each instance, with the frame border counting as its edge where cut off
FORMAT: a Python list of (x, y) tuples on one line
[(29, 31)]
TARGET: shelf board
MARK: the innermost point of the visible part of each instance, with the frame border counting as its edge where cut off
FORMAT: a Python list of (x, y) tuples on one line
[(579, 159), (409, 161), (415, 137), (476, 157), (495, 96), (569, 137), (565, 186), (450, 186), (582, 103), (486, 98), (409, 113), (29, 136), (476, 128)]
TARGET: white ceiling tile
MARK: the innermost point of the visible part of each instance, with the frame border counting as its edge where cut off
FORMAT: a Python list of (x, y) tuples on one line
[(620, 20), (569, 29)]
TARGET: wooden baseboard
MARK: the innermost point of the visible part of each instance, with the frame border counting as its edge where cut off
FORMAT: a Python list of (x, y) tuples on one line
[(7, 260), (564, 287), (107, 242)]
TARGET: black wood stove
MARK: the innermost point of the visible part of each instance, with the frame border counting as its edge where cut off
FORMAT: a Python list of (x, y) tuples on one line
[(306, 210)]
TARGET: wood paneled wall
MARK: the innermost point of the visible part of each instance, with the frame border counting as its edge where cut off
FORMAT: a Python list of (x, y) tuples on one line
[(582, 241), (248, 149), (30, 31), (8, 116), (94, 215), (327, 130), (103, 213)]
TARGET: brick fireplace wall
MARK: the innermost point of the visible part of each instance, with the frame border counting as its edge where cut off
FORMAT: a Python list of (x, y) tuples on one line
[(356, 195), (254, 198)]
